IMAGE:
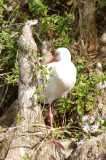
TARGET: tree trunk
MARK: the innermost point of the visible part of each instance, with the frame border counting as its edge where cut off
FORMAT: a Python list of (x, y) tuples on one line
[(88, 32), (30, 112)]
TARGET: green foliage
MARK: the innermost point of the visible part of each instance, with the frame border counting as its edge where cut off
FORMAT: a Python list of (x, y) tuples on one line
[(56, 133), (104, 123), (59, 25), (44, 72), (83, 98), (1, 128), (85, 87), (38, 6), (2, 5), (19, 118), (10, 32), (9, 55), (13, 78), (56, 125), (102, 3), (24, 158), (64, 105)]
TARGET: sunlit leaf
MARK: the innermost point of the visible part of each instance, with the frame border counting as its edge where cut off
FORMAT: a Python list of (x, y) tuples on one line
[(70, 2)]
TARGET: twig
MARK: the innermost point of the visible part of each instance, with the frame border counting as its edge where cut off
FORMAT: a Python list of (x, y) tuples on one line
[(40, 144), (38, 37), (4, 96)]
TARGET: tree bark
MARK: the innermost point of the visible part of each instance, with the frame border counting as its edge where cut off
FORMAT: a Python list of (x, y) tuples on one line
[(87, 22), (92, 149)]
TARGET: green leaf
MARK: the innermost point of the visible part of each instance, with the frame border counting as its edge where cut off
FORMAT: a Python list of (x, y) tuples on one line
[(1, 7), (1, 2), (104, 124), (1, 10), (1, 128), (24, 158), (80, 113), (38, 2), (70, 2), (5, 6), (78, 108), (102, 3), (70, 102), (4, 33), (30, 4), (87, 109)]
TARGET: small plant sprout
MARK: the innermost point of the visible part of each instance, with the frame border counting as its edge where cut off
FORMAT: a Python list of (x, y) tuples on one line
[(10, 8), (31, 22), (85, 128), (79, 144), (94, 128), (19, 118)]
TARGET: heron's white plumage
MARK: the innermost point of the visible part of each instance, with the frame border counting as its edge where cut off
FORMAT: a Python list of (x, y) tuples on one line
[(63, 76)]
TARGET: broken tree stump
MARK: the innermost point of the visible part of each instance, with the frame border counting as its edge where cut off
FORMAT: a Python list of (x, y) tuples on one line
[(30, 112)]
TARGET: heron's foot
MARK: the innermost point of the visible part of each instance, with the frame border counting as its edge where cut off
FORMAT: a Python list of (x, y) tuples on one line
[(57, 143)]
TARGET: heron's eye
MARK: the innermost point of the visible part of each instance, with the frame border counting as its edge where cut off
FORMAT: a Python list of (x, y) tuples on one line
[(40, 59)]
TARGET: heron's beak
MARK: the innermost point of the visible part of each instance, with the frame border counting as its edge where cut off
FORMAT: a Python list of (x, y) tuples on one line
[(54, 59)]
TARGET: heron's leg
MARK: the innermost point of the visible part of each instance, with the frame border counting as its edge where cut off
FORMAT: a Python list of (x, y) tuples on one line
[(51, 125), (50, 116)]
